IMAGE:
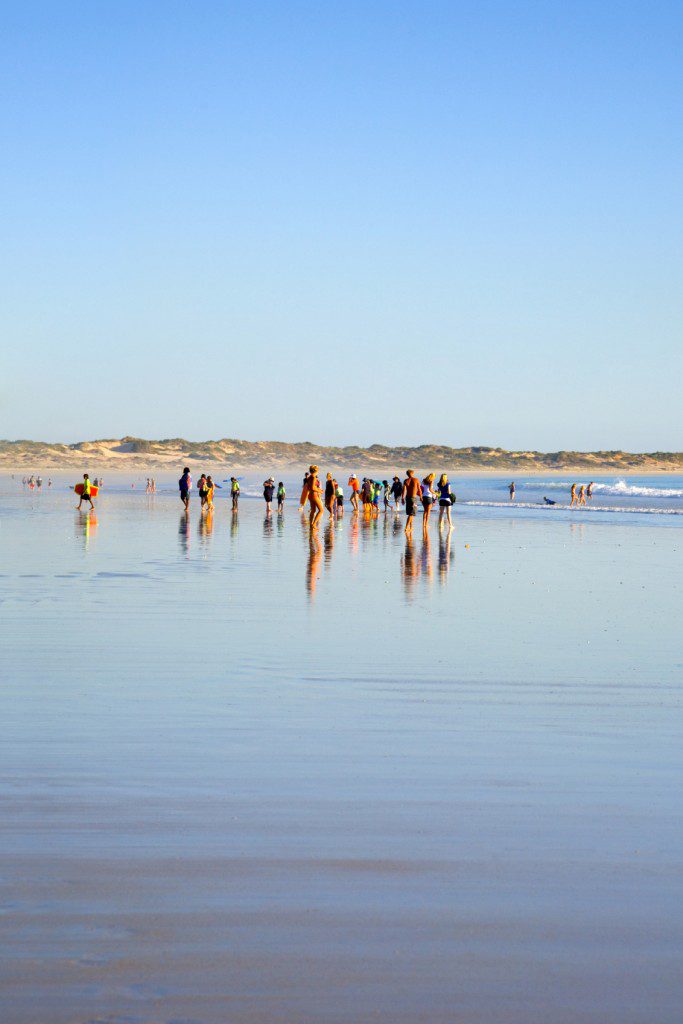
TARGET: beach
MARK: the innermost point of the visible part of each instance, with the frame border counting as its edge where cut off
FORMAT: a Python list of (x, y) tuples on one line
[(252, 776)]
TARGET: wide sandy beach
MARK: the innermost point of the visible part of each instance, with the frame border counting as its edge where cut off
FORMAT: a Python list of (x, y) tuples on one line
[(251, 776)]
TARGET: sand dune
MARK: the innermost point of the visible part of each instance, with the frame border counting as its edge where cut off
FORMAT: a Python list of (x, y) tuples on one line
[(135, 452)]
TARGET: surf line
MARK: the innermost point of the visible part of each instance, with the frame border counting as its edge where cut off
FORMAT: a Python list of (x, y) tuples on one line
[(580, 511)]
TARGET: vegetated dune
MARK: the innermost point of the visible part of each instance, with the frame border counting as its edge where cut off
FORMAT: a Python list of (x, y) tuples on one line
[(138, 453)]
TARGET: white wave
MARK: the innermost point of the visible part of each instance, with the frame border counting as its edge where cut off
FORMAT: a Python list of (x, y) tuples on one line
[(619, 488), (578, 511)]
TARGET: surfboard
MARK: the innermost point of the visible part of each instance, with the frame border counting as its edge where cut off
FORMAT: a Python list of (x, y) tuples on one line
[(93, 490)]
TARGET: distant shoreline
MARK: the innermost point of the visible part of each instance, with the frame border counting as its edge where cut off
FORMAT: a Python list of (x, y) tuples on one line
[(130, 453)]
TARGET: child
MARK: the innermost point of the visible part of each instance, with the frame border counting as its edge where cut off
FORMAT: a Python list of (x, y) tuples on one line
[(209, 493), (281, 495)]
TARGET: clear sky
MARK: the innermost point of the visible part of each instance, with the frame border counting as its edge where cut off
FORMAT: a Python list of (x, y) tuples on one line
[(346, 222)]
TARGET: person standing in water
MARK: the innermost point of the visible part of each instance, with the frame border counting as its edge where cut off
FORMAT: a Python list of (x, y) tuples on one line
[(589, 490), (511, 489), (313, 492), (573, 496), (184, 486), (330, 495), (281, 495), (353, 484), (234, 492), (411, 493), (85, 493), (427, 499), (445, 500), (268, 491), (396, 493), (582, 495), (209, 493)]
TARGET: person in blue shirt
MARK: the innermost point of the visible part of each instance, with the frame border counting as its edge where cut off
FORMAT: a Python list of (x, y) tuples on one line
[(184, 486)]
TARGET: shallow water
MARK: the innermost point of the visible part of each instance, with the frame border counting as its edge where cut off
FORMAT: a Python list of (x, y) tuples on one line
[(248, 776)]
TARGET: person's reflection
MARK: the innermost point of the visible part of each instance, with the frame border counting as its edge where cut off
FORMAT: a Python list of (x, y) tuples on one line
[(353, 535), (313, 564), (426, 557), (410, 567), (184, 533), (206, 525), (328, 539), (268, 525), (234, 523), (444, 554), (86, 524), (577, 530)]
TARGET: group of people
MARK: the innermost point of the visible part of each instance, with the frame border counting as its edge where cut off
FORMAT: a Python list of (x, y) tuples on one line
[(33, 482), (578, 497), (205, 489), (412, 492)]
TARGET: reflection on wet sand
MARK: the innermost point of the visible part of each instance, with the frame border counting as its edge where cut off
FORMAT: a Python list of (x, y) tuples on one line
[(445, 554), (410, 566), (328, 540), (313, 564), (206, 525), (184, 533), (86, 524)]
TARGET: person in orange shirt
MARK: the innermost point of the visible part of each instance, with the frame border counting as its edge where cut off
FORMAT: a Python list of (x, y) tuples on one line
[(355, 487)]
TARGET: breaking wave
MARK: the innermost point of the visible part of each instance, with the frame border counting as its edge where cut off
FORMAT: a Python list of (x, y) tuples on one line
[(619, 489), (590, 509)]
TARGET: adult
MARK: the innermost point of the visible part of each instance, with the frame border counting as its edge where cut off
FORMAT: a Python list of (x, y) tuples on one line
[(574, 499), (268, 491), (410, 495), (185, 486), (329, 494), (589, 490), (85, 493), (445, 500), (511, 489), (314, 494), (355, 487), (428, 495)]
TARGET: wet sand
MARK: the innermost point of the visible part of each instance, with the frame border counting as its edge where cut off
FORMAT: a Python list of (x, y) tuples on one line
[(430, 787)]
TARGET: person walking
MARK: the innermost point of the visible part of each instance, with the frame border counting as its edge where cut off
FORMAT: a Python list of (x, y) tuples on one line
[(445, 500), (314, 494), (411, 494), (85, 494), (185, 486), (397, 493), (511, 489), (428, 496)]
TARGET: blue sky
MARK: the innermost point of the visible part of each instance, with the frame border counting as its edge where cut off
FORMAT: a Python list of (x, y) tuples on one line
[(343, 222)]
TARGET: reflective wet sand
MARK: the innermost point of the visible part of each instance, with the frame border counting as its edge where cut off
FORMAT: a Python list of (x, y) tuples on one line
[(252, 776)]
